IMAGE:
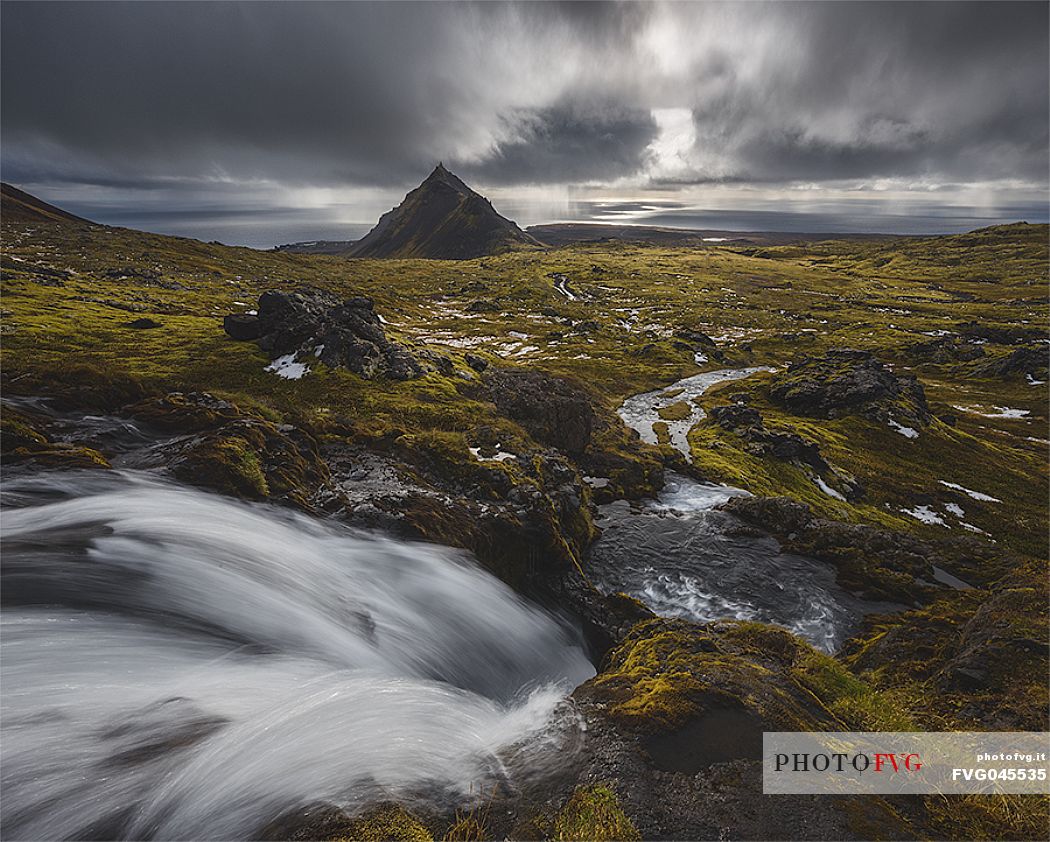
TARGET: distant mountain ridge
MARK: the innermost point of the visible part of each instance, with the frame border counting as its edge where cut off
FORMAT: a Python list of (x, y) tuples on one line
[(442, 219), (18, 206)]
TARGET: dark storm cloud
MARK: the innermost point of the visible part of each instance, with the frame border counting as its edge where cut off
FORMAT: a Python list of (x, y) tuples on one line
[(198, 99), (885, 90), (564, 145)]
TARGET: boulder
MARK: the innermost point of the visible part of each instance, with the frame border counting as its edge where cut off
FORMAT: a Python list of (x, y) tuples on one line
[(241, 326), (552, 409), (1033, 360), (747, 423), (142, 324), (475, 362), (849, 381), (345, 334), (947, 349)]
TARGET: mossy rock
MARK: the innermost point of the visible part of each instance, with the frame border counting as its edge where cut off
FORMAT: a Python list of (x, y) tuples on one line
[(20, 440), (254, 460), (667, 674), (593, 814), (385, 824), (972, 660), (17, 431)]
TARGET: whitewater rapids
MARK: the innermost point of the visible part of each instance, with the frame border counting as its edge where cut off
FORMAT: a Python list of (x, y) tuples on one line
[(177, 665)]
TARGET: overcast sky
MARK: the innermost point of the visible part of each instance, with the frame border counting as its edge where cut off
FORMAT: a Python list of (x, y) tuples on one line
[(276, 121)]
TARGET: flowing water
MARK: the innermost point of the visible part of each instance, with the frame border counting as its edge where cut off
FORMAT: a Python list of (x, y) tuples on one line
[(177, 665), (642, 411), (683, 558)]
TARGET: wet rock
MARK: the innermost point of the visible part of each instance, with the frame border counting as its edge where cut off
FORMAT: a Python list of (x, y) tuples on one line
[(553, 410), (846, 381), (23, 440), (315, 323), (876, 563)]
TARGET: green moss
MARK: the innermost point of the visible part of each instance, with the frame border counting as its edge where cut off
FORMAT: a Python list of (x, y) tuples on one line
[(16, 432), (669, 672), (849, 698), (678, 411), (593, 814), (386, 824)]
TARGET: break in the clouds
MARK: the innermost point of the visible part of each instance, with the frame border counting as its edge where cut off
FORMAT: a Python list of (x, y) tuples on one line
[(190, 105)]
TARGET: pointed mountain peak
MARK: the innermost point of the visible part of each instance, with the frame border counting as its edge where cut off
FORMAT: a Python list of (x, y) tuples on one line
[(442, 218)]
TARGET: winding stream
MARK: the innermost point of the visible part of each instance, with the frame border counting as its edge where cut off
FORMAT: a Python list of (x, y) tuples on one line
[(642, 411), (177, 665), (683, 558)]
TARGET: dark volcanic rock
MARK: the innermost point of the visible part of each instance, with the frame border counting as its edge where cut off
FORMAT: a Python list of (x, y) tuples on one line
[(142, 324), (845, 381), (475, 362), (1033, 360), (879, 563), (789, 446), (339, 333), (947, 349), (1000, 335), (552, 409), (241, 326), (696, 337)]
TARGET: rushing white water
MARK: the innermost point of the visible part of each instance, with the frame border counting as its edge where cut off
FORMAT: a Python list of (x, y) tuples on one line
[(178, 665), (683, 558)]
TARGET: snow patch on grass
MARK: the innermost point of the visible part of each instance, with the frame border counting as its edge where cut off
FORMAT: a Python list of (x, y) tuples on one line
[(288, 368), (907, 432), (976, 495)]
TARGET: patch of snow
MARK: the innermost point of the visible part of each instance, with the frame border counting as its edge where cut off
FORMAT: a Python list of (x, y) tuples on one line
[(715, 239), (827, 489), (926, 515), (501, 456), (1001, 411), (287, 367), (976, 495), (1033, 382), (318, 350), (971, 527), (955, 509), (907, 432), (700, 357), (528, 349)]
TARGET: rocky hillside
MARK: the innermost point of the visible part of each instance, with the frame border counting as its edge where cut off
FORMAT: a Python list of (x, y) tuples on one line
[(18, 206), (442, 219)]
